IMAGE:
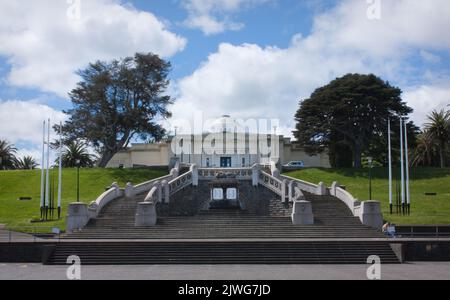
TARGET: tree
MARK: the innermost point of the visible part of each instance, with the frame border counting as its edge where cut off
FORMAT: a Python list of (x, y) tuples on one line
[(26, 163), (352, 113), (76, 150), (438, 130), (426, 151), (118, 101), (7, 155)]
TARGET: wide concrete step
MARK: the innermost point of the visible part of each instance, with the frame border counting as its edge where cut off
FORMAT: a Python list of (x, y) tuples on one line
[(224, 253)]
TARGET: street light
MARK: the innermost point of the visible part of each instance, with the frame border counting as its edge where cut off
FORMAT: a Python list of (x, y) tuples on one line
[(370, 160), (77, 162)]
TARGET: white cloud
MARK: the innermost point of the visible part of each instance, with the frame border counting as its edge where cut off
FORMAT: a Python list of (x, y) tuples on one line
[(430, 57), (251, 81), (427, 98), (403, 24), (44, 46), (214, 16), (21, 123)]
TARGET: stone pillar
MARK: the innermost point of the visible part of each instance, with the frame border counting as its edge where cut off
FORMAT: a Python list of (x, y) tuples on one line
[(255, 175), (77, 216), (283, 191), (129, 191), (194, 170), (165, 191), (370, 214), (302, 213), (116, 186), (321, 189), (291, 191), (93, 210), (174, 173), (334, 186), (145, 215), (158, 192)]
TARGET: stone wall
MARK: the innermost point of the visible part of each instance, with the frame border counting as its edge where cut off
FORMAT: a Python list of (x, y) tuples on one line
[(191, 200)]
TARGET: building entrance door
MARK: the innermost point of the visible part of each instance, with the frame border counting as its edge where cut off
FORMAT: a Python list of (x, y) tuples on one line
[(225, 162)]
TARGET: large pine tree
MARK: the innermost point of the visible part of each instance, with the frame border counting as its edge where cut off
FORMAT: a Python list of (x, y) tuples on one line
[(349, 117), (118, 101)]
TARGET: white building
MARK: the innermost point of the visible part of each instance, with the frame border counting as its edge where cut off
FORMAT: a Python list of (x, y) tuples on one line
[(226, 145)]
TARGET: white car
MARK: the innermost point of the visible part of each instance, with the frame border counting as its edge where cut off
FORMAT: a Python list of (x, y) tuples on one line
[(294, 165)]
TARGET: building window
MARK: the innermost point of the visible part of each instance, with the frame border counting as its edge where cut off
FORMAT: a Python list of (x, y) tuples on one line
[(207, 162), (243, 162)]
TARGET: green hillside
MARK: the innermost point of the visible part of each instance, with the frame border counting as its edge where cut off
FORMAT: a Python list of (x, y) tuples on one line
[(15, 184), (425, 209)]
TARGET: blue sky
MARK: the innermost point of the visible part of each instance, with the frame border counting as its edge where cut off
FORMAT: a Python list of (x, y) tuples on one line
[(247, 58)]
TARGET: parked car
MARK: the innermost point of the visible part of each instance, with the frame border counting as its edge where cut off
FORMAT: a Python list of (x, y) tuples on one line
[(294, 165)]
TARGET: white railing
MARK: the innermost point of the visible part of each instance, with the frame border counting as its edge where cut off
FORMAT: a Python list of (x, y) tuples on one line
[(146, 186), (303, 185), (180, 182), (152, 195), (274, 184), (340, 193), (111, 194), (211, 173)]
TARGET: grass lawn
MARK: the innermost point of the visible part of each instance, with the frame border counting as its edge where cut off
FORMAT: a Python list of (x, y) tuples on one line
[(17, 215), (424, 209)]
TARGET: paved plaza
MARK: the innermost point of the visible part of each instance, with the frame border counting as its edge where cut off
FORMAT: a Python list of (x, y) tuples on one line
[(410, 271)]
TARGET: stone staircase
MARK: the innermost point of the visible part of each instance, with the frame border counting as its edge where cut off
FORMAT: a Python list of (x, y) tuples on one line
[(333, 221), (223, 252), (226, 236)]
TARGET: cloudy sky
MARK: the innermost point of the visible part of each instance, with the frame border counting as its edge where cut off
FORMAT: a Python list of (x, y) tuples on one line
[(246, 58)]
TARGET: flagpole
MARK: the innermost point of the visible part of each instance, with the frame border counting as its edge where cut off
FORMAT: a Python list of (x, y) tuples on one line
[(60, 171), (402, 175), (390, 165), (47, 183), (43, 172), (408, 199)]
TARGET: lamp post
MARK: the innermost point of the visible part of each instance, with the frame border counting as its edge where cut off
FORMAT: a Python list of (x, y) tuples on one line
[(77, 162), (370, 160), (176, 141)]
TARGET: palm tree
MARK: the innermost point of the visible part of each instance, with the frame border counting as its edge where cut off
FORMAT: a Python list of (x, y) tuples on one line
[(77, 150), (438, 129), (426, 151), (26, 163), (7, 155)]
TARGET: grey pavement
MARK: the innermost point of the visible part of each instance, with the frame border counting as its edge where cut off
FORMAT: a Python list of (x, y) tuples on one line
[(416, 271)]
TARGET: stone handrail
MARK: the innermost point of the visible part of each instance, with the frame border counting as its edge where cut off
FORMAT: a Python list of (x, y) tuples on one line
[(340, 193), (303, 185), (347, 198), (180, 182), (211, 173), (147, 186), (152, 195), (274, 184), (111, 194)]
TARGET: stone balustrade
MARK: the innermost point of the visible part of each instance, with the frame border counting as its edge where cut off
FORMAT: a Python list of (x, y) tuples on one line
[(274, 184), (211, 173)]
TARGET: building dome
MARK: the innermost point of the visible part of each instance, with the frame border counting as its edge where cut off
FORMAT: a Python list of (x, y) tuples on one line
[(225, 124)]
